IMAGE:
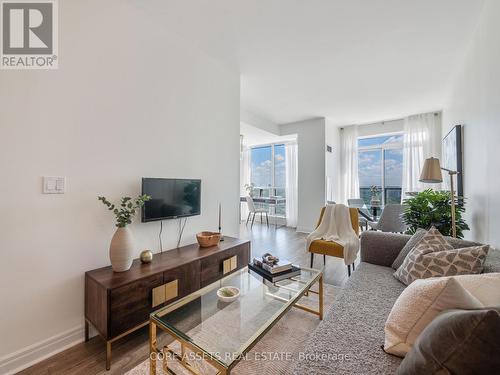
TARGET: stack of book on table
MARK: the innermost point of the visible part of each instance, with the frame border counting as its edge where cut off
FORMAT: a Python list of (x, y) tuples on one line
[(279, 269)]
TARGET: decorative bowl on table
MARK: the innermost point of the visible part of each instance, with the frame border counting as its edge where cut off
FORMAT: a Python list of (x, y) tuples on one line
[(208, 239), (228, 293)]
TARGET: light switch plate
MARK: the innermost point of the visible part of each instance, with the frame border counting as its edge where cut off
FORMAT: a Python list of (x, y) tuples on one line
[(54, 185)]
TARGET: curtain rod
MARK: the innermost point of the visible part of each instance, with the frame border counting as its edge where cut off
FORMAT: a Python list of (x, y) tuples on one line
[(383, 122)]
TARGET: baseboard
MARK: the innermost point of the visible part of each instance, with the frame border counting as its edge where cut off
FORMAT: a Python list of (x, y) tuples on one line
[(26, 357)]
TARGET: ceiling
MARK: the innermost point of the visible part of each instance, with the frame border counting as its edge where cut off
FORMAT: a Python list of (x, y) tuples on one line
[(352, 61), (253, 136)]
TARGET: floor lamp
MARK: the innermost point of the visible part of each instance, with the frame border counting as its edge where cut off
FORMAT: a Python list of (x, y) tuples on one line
[(431, 173)]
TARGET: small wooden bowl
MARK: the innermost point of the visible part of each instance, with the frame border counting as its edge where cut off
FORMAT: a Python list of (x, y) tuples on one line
[(208, 239)]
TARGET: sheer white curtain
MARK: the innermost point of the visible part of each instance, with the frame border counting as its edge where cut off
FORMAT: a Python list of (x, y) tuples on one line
[(244, 179), (422, 139), (291, 184), (349, 181)]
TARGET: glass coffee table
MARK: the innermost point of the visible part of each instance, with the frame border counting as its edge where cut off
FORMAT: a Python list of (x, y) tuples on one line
[(222, 333)]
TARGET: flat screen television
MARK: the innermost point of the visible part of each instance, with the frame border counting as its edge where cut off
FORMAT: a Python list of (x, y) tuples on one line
[(171, 198)]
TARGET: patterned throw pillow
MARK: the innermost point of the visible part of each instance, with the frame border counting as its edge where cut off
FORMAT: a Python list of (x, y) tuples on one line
[(414, 240), (465, 261), (410, 270)]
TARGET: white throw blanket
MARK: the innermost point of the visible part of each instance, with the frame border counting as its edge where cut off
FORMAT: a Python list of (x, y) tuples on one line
[(336, 226)]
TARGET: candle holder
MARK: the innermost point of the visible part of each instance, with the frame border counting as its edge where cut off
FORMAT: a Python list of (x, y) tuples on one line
[(220, 223)]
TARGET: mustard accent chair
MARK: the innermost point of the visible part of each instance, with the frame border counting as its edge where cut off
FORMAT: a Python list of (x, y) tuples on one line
[(332, 248)]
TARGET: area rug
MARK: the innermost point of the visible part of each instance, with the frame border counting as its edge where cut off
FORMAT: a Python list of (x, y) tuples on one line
[(276, 352)]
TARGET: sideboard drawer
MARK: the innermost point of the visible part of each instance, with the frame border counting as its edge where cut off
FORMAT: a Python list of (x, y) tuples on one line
[(215, 267), (131, 304), (188, 280)]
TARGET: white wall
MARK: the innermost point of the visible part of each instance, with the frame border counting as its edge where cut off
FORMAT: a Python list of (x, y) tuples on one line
[(475, 103), (257, 121), (128, 100), (332, 161), (311, 169)]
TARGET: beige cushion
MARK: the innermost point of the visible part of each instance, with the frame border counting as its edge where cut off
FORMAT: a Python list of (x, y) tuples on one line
[(424, 299), (418, 305), (485, 287), (412, 268)]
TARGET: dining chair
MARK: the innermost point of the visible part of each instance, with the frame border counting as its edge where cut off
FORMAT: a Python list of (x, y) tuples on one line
[(252, 210), (360, 205), (391, 219)]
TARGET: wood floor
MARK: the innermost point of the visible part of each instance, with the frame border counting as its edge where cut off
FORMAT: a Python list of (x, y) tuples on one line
[(287, 243), (89, 358)]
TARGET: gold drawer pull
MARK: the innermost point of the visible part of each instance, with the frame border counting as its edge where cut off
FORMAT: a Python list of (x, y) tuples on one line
[(158, 295), (165, 292), (171, 290), (230, 264)]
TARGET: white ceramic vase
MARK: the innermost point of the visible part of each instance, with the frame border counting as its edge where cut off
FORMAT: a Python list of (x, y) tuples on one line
[(375, 201), (121, 249)]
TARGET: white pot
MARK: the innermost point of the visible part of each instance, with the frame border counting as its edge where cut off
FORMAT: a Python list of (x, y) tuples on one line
[(121, 250)]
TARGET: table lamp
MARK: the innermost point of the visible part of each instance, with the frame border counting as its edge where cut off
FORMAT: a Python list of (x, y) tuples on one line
[(431, 173)]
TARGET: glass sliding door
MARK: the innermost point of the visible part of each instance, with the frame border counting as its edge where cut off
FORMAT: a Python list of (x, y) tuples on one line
[(393, 175), (370, 172), (268, 173), (262, 170), (380, 164)]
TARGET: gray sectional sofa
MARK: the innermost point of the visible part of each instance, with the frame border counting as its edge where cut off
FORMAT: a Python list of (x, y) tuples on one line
[(349, 339)]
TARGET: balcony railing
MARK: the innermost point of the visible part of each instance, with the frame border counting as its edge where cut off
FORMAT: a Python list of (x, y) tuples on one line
[(278, 210), (391, 194)]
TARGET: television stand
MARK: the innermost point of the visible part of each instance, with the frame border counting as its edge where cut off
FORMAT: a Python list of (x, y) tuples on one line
[(118, 303)]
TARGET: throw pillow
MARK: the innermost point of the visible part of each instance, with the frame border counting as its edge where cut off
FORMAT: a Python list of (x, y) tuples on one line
[(466, 261), (484, 287), (418, 305), (411, 269), (412, 242), (492, 263), (457, 342)]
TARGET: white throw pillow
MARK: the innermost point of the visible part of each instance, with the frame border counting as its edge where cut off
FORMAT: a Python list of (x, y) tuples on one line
[(424, 299), (485, 287), (418, 305)]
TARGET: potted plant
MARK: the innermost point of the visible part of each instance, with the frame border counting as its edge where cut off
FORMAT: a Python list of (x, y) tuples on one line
[(249, 189), (122, 244), (375, 200), (433, 208)]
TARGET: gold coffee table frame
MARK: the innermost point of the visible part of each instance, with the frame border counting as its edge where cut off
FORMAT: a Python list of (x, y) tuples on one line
[(155, 322)]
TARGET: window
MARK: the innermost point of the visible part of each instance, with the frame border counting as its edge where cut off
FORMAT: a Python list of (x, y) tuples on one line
[(261, 173), (380, 163), (267, 172)]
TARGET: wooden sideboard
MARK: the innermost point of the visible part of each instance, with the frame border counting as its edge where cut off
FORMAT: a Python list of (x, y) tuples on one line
[(118, 303)]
